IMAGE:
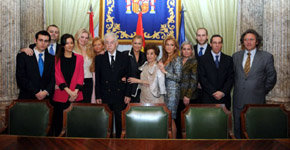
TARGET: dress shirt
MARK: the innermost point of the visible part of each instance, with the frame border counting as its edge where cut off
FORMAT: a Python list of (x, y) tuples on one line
[(53, 46), (204, 48), (253, 52), (36, 52), (214, 54), (114, 54)]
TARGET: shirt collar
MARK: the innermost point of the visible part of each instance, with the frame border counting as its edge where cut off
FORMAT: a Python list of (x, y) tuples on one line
[(204, 46), (114, 54), (253, 52), (214, 54), (36, 52)]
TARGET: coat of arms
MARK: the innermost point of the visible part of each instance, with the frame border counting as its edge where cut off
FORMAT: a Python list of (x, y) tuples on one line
[(137, 5)]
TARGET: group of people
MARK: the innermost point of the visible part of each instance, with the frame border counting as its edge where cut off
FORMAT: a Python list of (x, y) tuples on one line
[(93, 70)]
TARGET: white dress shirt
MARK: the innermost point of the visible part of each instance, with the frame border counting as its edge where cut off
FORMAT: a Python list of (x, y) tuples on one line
[(214, 55), (36, 52), (253, 52), (114, 54), (53, 46), (204, 48)]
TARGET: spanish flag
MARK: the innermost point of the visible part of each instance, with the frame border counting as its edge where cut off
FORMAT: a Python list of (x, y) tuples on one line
[(139, 28)]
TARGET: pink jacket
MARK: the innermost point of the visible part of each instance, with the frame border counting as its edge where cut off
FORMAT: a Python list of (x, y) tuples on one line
[(77, 78)]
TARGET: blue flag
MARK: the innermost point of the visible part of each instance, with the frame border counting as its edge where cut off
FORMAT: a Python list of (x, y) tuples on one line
[(181, 37)]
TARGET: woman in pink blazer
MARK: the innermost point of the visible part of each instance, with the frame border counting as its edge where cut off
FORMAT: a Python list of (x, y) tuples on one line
[(69, 78)]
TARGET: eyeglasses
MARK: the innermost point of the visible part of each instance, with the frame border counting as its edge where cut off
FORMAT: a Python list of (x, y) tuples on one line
[(251, 39)]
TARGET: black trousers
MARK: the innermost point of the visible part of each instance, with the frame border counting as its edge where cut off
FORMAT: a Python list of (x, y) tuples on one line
[(178, 123), (117, 111), (87, 90), (57, 118), (180, 107)]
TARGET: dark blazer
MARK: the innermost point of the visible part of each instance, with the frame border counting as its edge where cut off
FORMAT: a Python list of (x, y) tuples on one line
[(58, 46), (28, 76), (134, 66), (213, 79), (109, 85), (207, 50)]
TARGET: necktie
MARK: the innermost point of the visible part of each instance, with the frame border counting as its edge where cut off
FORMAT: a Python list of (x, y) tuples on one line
[(112, 61), (217, 61), (247, 65), (40, 64), (51, 51), (200, 51)]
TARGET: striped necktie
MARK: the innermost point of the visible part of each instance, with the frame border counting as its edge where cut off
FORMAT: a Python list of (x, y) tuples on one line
[(248, 64)]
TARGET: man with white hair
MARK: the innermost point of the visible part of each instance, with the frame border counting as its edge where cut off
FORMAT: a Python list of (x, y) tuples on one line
[(110, 68)]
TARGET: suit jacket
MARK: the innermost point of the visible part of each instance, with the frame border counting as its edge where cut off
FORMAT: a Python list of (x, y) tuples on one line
[(261, 79), (207, 50), (77, 79), (213, 79), (28, 77), (58, 46), (109, 85), (134, 67)]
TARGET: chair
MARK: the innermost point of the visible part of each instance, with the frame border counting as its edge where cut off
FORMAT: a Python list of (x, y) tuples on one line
[(146, 121), (87, 120), (28, 117), (265, 121), (206, 121)]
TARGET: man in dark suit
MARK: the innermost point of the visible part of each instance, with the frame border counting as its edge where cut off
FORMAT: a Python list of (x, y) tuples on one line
[(216, 74), (110, 68), (255, 75), (35, 74), (53, 46), (201, 48)]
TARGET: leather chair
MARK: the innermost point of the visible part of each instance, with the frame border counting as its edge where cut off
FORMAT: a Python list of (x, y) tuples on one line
[(265, 121), (87, 120), (146, 121), (206, 121), (28, 117)]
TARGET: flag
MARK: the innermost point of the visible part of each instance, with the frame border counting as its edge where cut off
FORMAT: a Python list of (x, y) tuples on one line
[(181, 37), (91, 21), (139, 28)]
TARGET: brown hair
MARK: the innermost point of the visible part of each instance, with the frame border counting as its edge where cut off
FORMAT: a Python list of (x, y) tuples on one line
[(63, 39), (165, 54), (259, 38), (52, 25), (152, 46)]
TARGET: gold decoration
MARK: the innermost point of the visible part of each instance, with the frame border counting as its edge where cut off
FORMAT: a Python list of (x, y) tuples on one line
[(165, 29)]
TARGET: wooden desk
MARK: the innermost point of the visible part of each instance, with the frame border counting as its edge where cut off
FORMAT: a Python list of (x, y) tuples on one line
[(10, 142)]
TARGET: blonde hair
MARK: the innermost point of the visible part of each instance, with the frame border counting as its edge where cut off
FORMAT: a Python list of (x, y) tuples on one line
[(165, 54), (90, 53), (92, 66)]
